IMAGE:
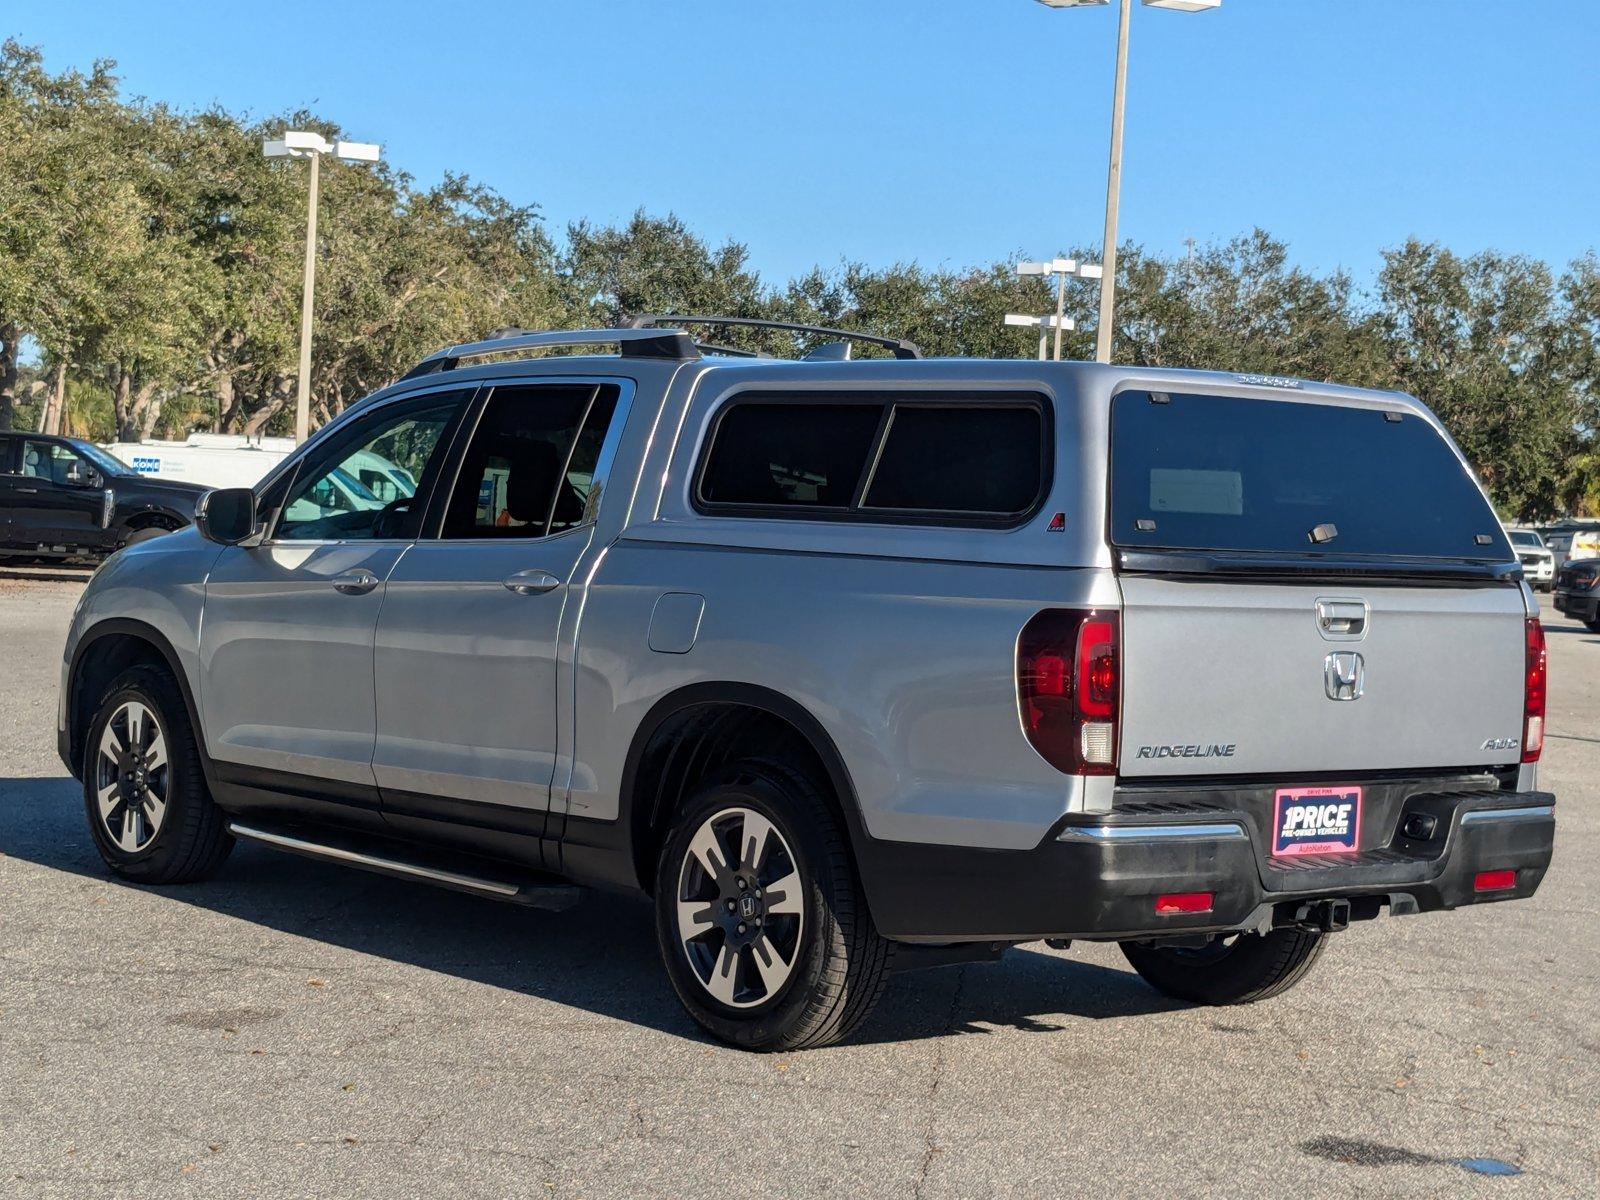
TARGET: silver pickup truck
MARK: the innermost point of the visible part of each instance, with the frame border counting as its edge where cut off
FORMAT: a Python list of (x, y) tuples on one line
[(850, 665)]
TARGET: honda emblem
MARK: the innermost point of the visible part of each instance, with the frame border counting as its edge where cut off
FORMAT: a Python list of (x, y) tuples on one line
[(1344, 675)]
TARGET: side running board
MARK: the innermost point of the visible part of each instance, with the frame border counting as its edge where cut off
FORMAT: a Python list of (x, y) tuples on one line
[(550, 896)]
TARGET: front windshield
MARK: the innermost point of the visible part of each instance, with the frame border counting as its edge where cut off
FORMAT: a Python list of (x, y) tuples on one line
[(107, 462), (1525, 538)]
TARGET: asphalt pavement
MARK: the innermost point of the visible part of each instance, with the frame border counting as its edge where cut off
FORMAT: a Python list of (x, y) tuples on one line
[(297, 1029)]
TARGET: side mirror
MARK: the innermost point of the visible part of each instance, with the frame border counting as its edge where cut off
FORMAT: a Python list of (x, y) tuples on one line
[(226, 516), (80, 475)]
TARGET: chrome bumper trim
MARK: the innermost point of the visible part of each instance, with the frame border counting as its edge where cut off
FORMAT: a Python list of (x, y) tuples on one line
[(1531, 813), (1222, 831)]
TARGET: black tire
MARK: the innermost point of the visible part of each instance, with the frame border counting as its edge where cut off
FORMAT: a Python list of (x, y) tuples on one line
[(838, 962), (1249, 968), (1593, 626), (145, 534), (191, 837)]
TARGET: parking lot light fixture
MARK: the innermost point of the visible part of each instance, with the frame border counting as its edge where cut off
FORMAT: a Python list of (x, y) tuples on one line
[(301, 143), (1062, 269), (1044, 325), (1108, 283)]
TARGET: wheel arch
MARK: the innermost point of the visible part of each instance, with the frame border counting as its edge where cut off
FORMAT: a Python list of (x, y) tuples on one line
[(156, 518), (106, 649), (677, 742)]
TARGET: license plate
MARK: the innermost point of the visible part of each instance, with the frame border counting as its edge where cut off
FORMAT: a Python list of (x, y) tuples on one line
[(1324, 820)]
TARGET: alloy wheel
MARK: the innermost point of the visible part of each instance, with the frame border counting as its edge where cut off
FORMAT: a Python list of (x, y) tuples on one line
[(131, 777), (741, 907)]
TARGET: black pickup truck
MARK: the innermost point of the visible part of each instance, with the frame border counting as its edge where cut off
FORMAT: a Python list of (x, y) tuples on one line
[(65, 498)]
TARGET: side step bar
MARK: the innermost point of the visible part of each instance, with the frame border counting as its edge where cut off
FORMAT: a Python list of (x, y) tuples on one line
[(553, 897)]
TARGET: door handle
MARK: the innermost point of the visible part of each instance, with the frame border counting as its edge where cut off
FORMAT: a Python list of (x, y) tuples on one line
[(355, 583), (28, 491), (532, 582), (1342, 618)]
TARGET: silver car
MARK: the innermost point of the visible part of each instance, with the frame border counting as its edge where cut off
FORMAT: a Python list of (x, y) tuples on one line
[(849, 665)]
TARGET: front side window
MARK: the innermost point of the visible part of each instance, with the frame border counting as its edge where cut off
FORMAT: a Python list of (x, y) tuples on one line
[(53, 462), (880, 459), (529, 470), (331, 501)]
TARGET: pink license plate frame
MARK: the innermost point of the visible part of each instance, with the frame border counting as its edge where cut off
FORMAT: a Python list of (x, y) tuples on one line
[(1316, 820)]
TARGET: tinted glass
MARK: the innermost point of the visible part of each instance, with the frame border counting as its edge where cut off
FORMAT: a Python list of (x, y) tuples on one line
[(52, 461), (530, 466), (1210, 472), (1527, 539), (797, 455), (362, 484), (969, 460)]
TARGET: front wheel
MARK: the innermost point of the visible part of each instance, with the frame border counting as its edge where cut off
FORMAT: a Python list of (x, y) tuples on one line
[(152, 818), (1236, 969), (145, 534), (761, 922)]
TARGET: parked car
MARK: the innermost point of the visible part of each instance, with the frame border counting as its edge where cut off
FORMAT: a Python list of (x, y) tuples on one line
[(1538, 564), (851, 666), (65, 498), (1577, 591), (1570, 541)]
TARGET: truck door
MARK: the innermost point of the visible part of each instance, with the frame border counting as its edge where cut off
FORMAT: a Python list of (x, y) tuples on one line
[(8, 487), (59, 497), (468, 640), (286, 642)]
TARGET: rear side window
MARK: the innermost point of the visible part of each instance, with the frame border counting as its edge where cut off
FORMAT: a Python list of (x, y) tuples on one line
[(1221, 473), (797, 455), (529, 469), (880, 459), (960, 460)]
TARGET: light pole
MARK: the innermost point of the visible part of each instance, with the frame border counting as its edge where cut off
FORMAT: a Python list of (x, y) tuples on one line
[(1061, 268), (1044, 325), (300, 144), (1108, 287)]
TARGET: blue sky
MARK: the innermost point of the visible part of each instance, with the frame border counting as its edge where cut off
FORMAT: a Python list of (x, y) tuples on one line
[(944, 131)]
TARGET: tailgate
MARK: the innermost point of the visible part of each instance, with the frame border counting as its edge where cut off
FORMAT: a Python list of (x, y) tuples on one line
[(1270, 678)]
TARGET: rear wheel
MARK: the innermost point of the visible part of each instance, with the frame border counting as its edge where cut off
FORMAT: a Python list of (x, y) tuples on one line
[(762, 926), (150, 814), (1237, 969)]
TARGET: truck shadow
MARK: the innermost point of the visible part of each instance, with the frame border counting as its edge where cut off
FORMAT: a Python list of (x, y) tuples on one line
[(600, 956)]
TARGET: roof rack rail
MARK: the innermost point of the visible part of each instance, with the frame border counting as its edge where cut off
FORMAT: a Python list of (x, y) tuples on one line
[(634, 343), (899, 346)]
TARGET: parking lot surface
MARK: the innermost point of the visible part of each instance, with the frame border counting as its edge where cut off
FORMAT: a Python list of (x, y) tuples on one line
[(297, 1029)]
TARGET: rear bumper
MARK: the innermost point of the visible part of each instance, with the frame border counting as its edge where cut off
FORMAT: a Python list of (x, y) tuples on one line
[(1098, 875)]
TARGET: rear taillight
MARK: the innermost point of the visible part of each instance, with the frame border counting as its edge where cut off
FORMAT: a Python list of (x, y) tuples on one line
[(1068, 689), (1533, 693)]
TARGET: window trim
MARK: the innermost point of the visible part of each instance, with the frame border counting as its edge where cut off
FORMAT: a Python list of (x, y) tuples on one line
[(889, 401), (433, 526)]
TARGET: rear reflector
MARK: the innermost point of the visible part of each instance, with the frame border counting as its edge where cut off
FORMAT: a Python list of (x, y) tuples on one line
[(1533, 693), (1184, 902), (1494, 881)]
